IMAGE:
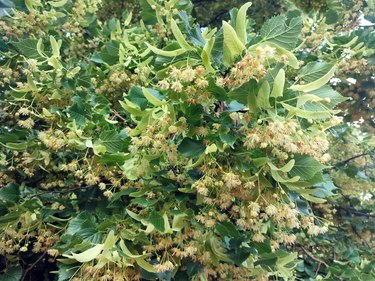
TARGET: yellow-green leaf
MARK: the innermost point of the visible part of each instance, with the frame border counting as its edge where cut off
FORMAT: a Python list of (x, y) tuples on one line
[(179, 36), (58, 4), (110, 241), (178, 221), (263, 97), (302, 99), (206, 54), (87, 255), (315, 84), (241, 22), (127, 252), (145, 265), (55, 47), (211, 149), (31, 83), (313, 198), (308, 114), (279, 178), (286, 168), (232, 45), (152, 99), (278, 84), (131, 107), (164, 53)]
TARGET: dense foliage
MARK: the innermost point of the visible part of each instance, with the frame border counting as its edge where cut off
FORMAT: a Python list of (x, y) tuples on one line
[(147, 147)]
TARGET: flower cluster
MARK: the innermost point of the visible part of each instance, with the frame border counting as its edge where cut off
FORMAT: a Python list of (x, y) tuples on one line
[(190, 82), (249, 67), (285, 137)]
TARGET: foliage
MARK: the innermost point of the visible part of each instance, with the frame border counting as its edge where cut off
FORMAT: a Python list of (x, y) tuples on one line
[(163, 150)]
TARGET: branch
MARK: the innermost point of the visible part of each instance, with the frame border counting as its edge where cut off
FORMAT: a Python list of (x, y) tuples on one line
[(31, 266), (359, 236), (315, 258), (118, 115), (344, 162), (354, 211)]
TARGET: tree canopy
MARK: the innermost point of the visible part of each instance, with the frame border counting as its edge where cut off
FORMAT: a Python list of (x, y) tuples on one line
[(179, 140)]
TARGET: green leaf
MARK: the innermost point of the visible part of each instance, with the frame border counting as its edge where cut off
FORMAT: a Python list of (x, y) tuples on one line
[(13, 273), (28, 47), (55, 47), (276, 30), (315, 84), (334, 97), (133, 215), (246, 94), (145, 265), (325, 188), (132, 108), (16, 145), (313, 199), (191, 148), (111, 140), (306, 167), (144, 202), (78, 112), (232, 45), (127, 252), (113, 159), (157, 220), (241, 22), (217, 250), (10, 193), (130, 169), (58, 4), (313, 114), (153, 99), (136, 96), (263, 97), (227, 229), (84, 226), (211, 149), (227, 137), (179, 221), (261, 161), (67, 271), (277, 177), (286, 168), (109, 53), (278, 85), (304, 98), (315, 70)]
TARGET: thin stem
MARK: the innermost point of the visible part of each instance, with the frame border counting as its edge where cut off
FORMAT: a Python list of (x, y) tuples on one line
[(31, 266)]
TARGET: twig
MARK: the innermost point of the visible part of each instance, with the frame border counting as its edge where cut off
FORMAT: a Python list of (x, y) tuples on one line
[(317, 270), (350, 159), (359, 236), (31, 266), (60, 191), (355, 212), (315, 258), (118, 115)]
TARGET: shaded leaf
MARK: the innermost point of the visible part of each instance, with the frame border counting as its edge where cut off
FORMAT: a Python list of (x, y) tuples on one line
[(191, 148), (306, 167)]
